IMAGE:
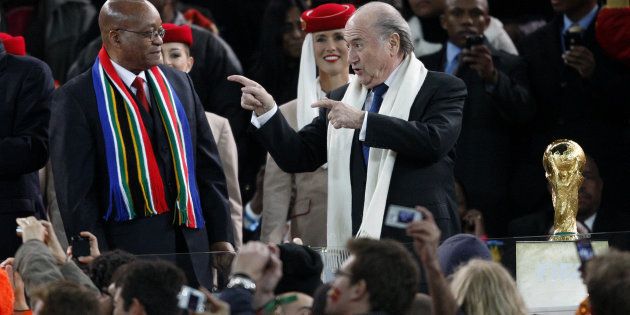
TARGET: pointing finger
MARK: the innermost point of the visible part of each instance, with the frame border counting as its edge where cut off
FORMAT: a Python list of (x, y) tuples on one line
[(242, 80), (324, 103)]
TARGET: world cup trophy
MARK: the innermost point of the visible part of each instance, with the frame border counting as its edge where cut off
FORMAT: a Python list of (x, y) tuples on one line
[(564, 162)]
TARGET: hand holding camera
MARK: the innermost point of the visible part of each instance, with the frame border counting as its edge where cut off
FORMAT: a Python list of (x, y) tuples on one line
[(479, 58), (426, 236), (577, 56)]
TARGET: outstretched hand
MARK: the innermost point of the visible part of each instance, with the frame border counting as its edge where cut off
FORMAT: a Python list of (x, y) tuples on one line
[(426, 236), (341, 115), (254, 96)]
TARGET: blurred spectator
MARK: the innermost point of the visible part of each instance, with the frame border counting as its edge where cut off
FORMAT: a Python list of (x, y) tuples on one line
[(52, 29), (458, 249), (176, 53), (256, 271), (319, 299), (293, 303), (484, 287), (278, 59), (301, 269), (429, 35), (498, 102), (149, 287), (64, 298), (301, 198), (581, 95), (41, 260), (379, 277), (472, 219), (26, 86), (103, 267), (608, 283)]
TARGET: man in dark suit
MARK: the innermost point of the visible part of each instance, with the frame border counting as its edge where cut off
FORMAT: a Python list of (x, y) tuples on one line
[(26, 85), (422, 140), (498, 102), (582, 95), (82, 160)]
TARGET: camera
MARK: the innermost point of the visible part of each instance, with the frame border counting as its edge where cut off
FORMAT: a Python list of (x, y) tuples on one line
[(573, 37), (80, 246), (400, 217), (474, 40), (191, 299)]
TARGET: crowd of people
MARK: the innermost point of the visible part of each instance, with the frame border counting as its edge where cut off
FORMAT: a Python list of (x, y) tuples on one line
[(154, 161)]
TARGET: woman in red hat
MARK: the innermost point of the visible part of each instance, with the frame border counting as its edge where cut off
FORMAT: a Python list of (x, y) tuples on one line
[(323, 68)]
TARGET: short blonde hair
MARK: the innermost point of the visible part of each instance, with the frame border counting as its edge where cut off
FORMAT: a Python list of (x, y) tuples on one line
[(485, 288)]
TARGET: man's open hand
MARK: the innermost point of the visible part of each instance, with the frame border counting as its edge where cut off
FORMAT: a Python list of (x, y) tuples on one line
[(341, 115)]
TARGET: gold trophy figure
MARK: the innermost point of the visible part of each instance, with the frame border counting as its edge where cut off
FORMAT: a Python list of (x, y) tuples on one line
[(564, 162)]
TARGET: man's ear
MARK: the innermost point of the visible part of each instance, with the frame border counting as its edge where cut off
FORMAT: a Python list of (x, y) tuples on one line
[(114, 38), (359, 290), (487, 19), (136, 308), (394, 43), (443, 21)]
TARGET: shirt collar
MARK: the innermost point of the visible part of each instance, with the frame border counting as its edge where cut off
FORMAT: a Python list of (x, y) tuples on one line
[(452, 52), (590, 221), (392, 75), (584, 22), (127, 76)]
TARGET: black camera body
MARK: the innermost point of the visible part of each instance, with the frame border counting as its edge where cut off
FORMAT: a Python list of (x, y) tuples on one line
[(80, 246), (474, 40), (573, 38)]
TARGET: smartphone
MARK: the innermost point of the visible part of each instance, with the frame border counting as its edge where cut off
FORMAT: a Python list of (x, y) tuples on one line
[(80, 246), (573, 37), (474, 40), (584, 250), (191, 299), (400, 217)]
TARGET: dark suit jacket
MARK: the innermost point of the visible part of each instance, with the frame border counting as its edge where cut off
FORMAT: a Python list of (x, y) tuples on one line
[(81, 180), (423, 171), (484, 148), (593, 112), (26, 86)]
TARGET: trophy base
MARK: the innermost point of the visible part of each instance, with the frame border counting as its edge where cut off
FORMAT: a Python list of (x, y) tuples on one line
[(564, 236)]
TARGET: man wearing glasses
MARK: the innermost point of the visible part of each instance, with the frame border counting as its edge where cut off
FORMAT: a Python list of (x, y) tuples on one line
[(133, 156)]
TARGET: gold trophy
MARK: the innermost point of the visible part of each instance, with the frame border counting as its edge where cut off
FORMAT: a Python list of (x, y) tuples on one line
[(564, 162)]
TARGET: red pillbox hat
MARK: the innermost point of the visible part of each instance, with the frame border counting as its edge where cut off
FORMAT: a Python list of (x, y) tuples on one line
[(329, 16), (177, 34)]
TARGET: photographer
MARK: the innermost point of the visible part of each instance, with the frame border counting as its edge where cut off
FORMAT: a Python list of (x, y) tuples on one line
[(498, 102)]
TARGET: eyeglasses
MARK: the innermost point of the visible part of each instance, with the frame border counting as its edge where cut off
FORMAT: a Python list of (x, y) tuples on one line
[(150, 35)]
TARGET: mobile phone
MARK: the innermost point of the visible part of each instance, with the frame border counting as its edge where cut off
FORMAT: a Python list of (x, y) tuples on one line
[(474, 40), (400, 217), (18, 230), (573, 37), (80, 246), (584, 250), (191, 299)]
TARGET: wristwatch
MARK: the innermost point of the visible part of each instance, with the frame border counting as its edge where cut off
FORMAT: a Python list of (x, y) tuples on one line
[(242, 282)]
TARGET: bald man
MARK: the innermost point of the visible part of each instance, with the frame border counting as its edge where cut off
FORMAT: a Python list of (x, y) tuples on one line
[(388, 137), (133, 155)]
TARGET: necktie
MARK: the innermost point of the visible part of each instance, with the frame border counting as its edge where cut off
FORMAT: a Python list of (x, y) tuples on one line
[(451, 67), (138, 84), (377, 99)]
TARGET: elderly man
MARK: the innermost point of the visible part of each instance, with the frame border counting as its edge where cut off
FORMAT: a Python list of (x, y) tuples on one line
[(133, 156), (392, 132)]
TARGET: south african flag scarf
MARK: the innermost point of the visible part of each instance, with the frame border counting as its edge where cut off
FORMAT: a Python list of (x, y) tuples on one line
[(131, 161)]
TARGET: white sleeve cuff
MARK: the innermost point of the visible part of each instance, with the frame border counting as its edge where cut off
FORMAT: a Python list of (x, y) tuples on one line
[(259, 121), (363, 128)]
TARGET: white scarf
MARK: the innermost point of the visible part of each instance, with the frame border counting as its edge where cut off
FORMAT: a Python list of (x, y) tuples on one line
[(308, 85), (397, 103)]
